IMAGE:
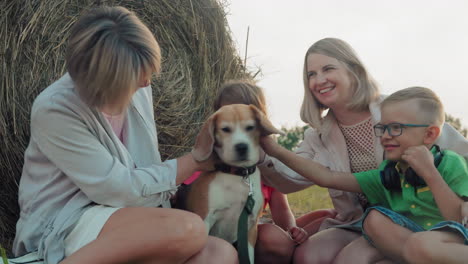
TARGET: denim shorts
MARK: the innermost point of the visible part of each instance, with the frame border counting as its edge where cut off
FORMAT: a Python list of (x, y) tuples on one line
[(449, 226)]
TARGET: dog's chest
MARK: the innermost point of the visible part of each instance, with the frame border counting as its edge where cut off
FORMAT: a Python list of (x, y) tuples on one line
[(227, 197)]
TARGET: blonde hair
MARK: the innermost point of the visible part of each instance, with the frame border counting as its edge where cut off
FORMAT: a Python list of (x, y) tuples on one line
[(109, 51), (432, 109), (365, 89), (241, 92)]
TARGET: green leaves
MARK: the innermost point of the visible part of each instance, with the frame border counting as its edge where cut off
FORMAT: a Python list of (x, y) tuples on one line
[(292, 137)]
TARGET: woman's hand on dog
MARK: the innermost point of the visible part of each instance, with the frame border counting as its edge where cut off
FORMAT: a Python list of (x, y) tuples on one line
[(298, 235), (270, 146)]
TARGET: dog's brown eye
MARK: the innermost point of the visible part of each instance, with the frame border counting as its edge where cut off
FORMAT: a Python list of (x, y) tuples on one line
[(226, 129), (250, 128)]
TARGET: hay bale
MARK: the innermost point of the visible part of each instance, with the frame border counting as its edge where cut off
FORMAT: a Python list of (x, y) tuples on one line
[(198, 55)]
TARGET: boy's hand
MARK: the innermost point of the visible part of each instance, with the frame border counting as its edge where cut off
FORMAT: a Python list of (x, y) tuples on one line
[(464, 214), (420, 159), (270, 146), (298, 235)]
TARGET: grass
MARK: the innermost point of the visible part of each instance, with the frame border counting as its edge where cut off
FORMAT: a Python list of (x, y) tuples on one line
[(305, 201), (310, 199)]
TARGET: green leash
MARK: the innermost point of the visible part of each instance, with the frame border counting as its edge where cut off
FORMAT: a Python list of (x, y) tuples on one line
[(3, 254), (242, 232)]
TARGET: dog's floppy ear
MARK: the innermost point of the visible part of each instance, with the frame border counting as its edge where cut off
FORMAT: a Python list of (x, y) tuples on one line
[(205, 140), (266, 127)]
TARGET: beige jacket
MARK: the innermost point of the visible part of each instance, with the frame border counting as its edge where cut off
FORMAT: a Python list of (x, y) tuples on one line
[(75, 160), (328, 147)]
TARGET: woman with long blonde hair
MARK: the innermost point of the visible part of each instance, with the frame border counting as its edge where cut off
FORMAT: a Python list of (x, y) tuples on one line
[(341, 106)]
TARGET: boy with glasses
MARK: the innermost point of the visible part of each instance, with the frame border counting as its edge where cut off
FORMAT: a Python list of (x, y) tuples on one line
[(417, 188)]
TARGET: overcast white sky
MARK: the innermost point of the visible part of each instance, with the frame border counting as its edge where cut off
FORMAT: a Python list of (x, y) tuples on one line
[(402, 42)]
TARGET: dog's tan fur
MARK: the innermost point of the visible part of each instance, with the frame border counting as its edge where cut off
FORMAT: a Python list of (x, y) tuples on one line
[(219, 197)]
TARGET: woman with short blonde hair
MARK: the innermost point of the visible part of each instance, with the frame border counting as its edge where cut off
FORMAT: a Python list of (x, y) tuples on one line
[(93, 182), (115, 44)]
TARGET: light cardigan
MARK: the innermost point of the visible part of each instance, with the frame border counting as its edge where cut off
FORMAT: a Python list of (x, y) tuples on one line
[(75, 160), (328, 147)]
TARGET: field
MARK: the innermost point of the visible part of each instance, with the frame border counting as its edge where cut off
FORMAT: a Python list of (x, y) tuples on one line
[(307, 200), (310, 199)]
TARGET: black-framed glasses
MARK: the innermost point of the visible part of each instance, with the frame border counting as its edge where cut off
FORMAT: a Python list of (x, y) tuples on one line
[(394, 129)]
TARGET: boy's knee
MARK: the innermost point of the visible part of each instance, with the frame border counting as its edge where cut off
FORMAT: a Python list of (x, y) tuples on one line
[(417, 249), (372, 222)]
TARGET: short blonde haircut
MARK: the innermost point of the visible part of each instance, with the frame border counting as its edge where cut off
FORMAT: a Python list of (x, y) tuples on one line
[(243, 91), (109, 51), (365, 89), (432, 109)]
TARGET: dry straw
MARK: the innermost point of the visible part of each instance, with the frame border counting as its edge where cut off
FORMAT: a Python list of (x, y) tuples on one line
[(198, 55)]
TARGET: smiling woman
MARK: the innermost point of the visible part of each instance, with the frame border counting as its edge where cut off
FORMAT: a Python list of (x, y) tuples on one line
[(329, 81), (343, 140), (335, 80)]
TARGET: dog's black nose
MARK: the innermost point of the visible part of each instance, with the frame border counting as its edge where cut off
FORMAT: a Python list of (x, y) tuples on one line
[(241, 150)]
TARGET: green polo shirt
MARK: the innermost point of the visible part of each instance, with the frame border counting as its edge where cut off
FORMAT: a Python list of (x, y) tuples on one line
[(417, 204)]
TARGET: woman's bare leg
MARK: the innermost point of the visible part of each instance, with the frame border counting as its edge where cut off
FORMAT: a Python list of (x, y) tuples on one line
[(359, 251), (324, 246), (305, 219), (145, 235), (312, 221), (216, 251)]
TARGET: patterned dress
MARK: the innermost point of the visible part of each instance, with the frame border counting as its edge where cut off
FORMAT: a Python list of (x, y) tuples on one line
[(360, 144)]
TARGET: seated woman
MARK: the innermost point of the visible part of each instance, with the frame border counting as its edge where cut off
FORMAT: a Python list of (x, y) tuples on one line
[(93, 182)]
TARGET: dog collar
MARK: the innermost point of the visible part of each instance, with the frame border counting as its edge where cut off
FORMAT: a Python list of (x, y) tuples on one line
[(240, 171)]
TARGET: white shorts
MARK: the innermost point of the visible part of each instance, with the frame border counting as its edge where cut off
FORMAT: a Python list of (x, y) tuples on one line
[(87, 228)]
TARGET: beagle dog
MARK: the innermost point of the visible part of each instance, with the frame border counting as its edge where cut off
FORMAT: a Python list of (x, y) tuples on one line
[(232, 135)]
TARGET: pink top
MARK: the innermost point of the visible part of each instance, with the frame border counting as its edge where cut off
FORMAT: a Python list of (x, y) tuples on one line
[(266, 191), (192, 178), (360, 144), (116, 122)]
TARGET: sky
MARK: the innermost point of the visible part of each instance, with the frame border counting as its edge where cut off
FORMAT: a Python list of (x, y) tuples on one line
[(402, 43)]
